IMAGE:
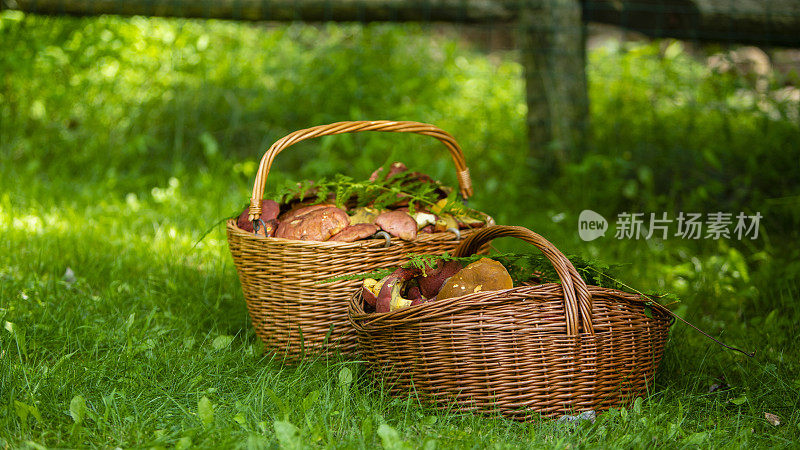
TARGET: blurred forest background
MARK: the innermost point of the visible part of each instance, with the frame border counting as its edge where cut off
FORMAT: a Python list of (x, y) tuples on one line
[(123, 140)]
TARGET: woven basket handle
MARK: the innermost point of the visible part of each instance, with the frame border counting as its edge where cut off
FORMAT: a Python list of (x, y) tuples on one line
[(464, 181), (577, 300)]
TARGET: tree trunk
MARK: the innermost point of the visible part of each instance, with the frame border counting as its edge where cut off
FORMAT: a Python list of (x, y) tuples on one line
[(553, 43)]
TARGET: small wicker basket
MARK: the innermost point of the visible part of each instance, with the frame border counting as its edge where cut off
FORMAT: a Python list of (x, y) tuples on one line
[(292, 311), (525, 352)]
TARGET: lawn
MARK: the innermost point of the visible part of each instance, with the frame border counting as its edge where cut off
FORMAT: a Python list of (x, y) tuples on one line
[(124, 141)]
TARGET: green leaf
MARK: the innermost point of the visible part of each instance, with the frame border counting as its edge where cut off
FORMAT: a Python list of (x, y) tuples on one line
[(183, 443), (35, 445), (738, 401), (239, 418), (430, 444), (22, 410), (277, 401), (256, 442), (205, 411), (77, 409), (288, 435), (390, 438), (221, 342), (366, 427), (345, 377), (696, 438), (34, 410), (310, 400), (637, 405)]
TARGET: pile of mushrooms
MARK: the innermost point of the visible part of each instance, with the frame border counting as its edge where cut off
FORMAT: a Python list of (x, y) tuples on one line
[(302, 220), (410, 286)]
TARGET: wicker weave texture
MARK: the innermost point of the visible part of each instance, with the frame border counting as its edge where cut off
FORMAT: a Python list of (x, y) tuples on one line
[(511, 352), (291, 309)]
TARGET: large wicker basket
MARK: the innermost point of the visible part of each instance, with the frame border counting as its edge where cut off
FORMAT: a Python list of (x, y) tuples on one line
[(291, 308), (525, 352)]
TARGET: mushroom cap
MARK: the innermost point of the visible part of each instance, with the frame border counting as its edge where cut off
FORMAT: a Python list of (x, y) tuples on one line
[(268, 228), (370, 297), (389, 288), (420, 178), (317, 225), (465, 221), (414, 293), (398, 223), (355, 232), (433, 280), (394, 169), (300, 210), (243, 221), (483, 275), (424, 219), (364, 215), (383, 301), (269, 211)]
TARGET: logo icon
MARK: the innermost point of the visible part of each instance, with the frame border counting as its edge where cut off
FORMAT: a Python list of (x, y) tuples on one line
[(591, 225)]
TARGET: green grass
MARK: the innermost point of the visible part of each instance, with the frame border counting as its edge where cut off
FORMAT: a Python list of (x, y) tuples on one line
[(123, 140)]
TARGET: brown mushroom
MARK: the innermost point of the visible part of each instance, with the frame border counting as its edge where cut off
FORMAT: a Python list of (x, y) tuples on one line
[(355, 232), (363, 215), (482, 275), (398, 223), (432, 281), (420, 177), (317, 225), (300, 210), (389, 298), (244, 222), (465, 221), (414, 293), (396, 168), (459, 218), (369, 291), (445, 222), (424, 219), (268, 228), (269, 211)]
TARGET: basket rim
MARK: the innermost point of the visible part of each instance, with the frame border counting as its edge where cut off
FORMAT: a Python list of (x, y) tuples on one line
[(362, 321), (361, 244)]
